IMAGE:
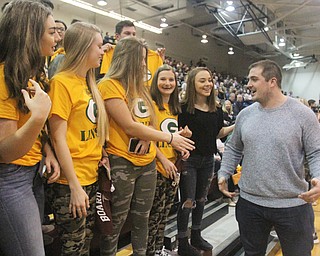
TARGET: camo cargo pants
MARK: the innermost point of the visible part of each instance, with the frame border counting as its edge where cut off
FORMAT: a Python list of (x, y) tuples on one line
[(75, 234), (162, 203), (134, 192)]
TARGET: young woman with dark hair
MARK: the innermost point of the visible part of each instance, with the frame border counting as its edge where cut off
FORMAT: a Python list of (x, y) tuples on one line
[(27, 35), (164, 92), (205, 119)]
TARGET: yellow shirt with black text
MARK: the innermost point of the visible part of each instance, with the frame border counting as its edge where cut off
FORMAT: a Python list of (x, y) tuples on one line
[(9, 110), (118, 139), (73, 102)]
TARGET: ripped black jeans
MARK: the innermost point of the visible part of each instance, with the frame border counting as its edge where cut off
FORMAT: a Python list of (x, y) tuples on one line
[(195, 180)]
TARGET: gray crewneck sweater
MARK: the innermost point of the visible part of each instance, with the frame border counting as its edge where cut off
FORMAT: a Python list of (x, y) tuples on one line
[(273, 143)]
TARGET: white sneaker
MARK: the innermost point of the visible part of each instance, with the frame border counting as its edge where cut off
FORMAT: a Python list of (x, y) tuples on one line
[(231, 203), (315, 238), (162, 252)]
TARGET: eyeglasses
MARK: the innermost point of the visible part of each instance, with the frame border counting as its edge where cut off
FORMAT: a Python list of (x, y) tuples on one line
[(60, 29)]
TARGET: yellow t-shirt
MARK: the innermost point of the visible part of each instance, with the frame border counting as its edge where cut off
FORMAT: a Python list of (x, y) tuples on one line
[(57, 52), (72, 101), (118, 139), (9, 110), (154, 62), (167, 122), (106, 61)]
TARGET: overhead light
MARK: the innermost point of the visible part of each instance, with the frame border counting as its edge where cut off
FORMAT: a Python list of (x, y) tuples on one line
[(163, 23), (204, 39), (282, 42), (87, 6), (102, 3), (230, 52), (296, 56), (230, 7), (266, 28), (295, 64)]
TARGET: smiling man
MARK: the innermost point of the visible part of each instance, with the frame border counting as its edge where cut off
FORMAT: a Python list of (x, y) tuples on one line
[(273, 136)]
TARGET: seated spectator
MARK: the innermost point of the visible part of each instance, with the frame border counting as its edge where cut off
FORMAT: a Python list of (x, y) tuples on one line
[(238, 105)]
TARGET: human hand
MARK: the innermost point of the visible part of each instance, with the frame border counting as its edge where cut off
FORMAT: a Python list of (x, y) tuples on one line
[(223, 187), (107, 47), (182, 144), (162, 52), (185, 155), (142, 147), (37, 101), (313, 194), (170, 168), (186, 132), (52, 168), (79, 203), (217, 157), (104, 162)]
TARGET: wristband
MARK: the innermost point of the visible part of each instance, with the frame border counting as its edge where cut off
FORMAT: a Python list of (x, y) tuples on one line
[(171, 138)]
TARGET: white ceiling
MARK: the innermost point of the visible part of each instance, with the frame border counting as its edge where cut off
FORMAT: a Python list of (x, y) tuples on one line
[(298, 21)]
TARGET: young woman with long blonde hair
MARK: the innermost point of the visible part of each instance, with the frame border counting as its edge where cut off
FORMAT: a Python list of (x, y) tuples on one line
[(130, 147), (78, 127)]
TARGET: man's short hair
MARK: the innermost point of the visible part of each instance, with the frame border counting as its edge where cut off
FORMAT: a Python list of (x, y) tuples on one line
[(269, 69), (64, 24), (47, 3), (124, 23)]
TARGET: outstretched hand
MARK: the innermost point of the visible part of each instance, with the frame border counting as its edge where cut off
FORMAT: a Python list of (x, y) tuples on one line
[(182, 144)]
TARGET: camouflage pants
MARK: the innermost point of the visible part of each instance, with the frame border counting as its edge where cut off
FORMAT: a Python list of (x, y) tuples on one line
[(134, 192), (75, 234), (162, 203)]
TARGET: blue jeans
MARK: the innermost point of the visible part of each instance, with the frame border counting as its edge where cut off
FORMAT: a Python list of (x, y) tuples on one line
[(294, 227), (195, 179), (20, 225)]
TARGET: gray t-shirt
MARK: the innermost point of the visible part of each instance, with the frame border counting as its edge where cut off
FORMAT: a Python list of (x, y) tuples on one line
[(273, 143)]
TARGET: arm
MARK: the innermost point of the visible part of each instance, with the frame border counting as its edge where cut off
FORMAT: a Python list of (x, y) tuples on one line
[(79, 200), (14, 142), (225, 131), (118, 110), (231, 157), (311, 140)]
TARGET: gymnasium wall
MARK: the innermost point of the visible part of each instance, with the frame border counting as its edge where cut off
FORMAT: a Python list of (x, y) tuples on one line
[(183, 44)]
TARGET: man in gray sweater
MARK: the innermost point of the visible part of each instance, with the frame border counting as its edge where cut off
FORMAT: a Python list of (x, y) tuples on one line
[(273, 136)]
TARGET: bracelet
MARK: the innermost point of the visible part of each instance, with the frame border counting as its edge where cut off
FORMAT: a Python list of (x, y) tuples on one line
[(105, 157), (171, 138)]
